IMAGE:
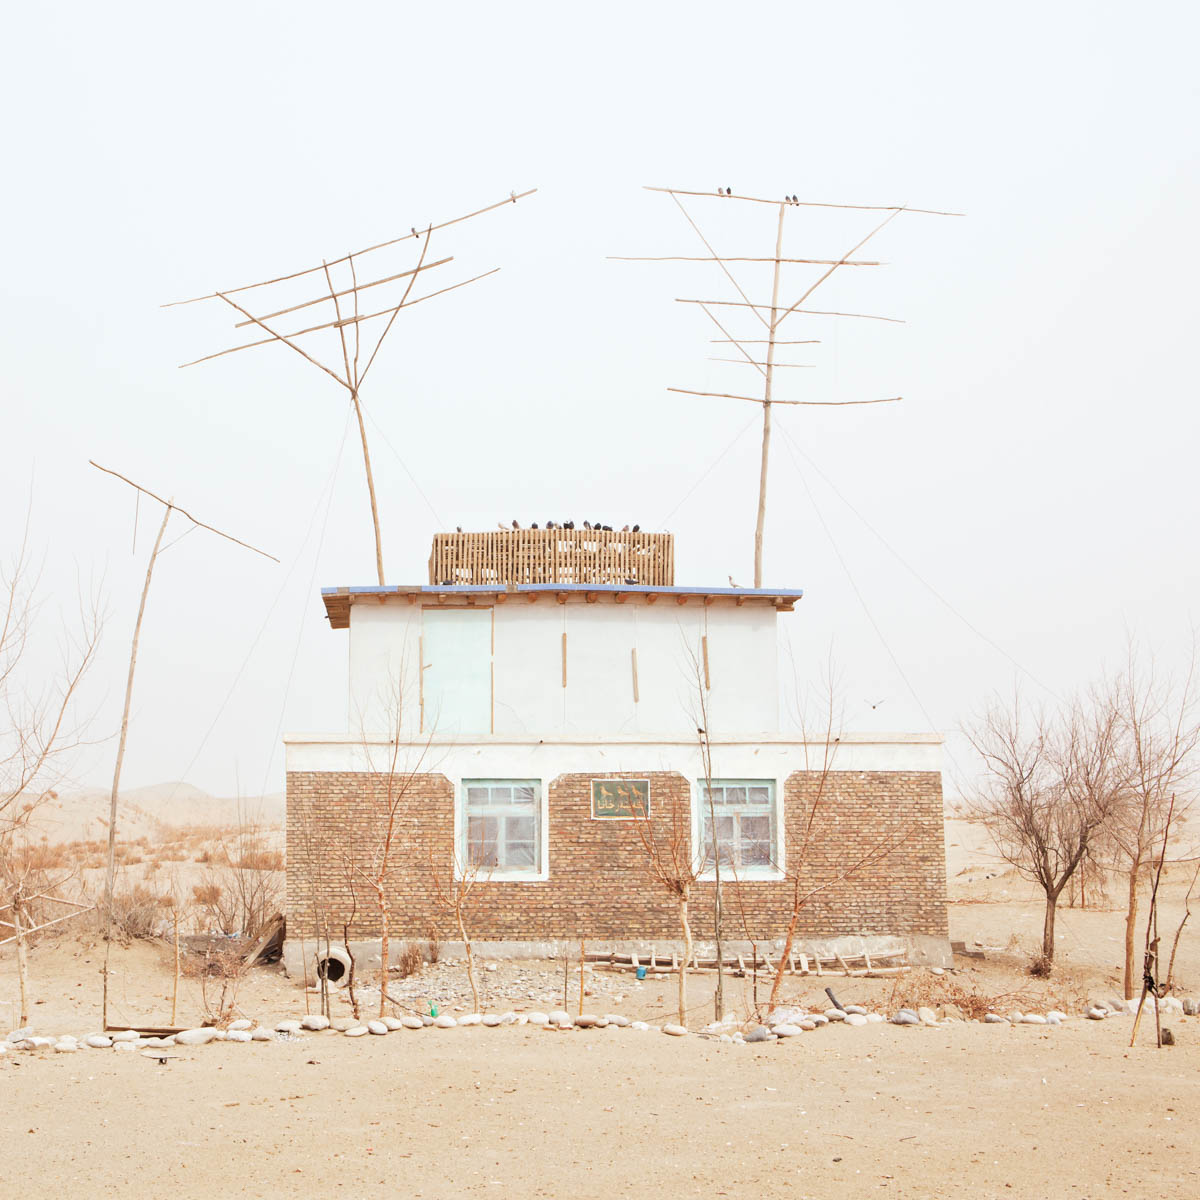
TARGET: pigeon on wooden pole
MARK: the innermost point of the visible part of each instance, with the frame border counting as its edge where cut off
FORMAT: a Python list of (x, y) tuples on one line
[(347, 372), (169, 507), (771, 316)]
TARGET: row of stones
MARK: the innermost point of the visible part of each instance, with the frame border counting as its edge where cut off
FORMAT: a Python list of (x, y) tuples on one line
[(785, 1023)]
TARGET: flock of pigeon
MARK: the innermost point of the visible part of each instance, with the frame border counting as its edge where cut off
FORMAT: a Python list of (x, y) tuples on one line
[(724, 191), (571, 525)]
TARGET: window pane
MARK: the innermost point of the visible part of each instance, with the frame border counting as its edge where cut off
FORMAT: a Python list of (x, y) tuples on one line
[(524, 795), (756, 841), (519, 854), (500, 794), (759, 795), (735, 795), (481, 841), (724, 840), (477, 795)]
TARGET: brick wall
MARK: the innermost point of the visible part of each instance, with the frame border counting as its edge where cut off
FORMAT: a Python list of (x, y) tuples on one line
[(601, 886)]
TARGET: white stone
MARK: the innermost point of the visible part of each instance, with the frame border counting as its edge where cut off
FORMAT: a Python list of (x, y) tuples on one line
[(674, 1030), (356, 1031), (471, 1019), (508, 1018), (490, 967), (241, 1023), (238, 1035), (341, 1024), (817, 1018), (128, 1047), (1054, 1014), (288, 1027), (261, 1035), (312, 1021), (538, 1018), (220, 1035), (856, 1010), (927, 1015), (378, 1028), (98, 1041), (195, 1037), (412, 1022), (856, 1018), (1033, 1019), (491, 1020), (445, 1021), (560, 1017), (994, 1019), (835, 1014), (1096, 1014), (783, 1031), (125, 1035), (65, 1046), (876, 1018), (616, 1019), (641, 1026), (393, 1023), (587, 1021)]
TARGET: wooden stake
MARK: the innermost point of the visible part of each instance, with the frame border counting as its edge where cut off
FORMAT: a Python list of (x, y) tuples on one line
[(175, 989), (581, 958), (110, 871)]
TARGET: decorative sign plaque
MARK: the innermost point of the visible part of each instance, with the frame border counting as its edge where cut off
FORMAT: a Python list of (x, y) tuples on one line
[(620, 799)]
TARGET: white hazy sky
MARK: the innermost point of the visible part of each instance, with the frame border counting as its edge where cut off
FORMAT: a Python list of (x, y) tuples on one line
[(1038, 475)]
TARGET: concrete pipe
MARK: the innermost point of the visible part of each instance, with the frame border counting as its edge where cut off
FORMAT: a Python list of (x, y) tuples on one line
[(333, 965)]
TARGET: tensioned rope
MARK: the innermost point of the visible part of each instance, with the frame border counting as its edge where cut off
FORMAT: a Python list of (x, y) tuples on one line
[(951, 762), (913, 571), (328, 487), (737, 437)]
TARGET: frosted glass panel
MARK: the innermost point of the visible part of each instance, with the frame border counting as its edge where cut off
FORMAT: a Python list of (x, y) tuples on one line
[(457, 670)]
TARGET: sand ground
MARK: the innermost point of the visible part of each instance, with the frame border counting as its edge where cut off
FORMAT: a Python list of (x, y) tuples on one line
[(963, 1110)]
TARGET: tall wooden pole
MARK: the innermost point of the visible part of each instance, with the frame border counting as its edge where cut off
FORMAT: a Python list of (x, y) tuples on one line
[(362, 433), (112, 810), (766, 438)]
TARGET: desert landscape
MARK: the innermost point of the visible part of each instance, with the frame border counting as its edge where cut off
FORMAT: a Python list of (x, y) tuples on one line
[(953, 1107)]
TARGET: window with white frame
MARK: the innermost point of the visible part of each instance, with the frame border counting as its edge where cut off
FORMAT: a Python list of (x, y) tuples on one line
[(745, 825), (502, 826)]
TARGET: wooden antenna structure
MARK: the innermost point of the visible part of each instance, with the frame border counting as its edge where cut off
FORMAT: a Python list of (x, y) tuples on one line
[(169, 507), (342, 363), (771, 316)]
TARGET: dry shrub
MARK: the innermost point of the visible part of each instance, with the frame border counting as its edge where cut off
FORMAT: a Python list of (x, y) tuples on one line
[(140, 913), (220, 970), (1041, 966), (409, 960), (242, 889), (433, 947)]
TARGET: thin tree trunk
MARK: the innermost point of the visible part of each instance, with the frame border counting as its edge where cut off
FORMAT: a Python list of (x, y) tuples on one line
[(462, 931), (687, 958), (112, 812), (1131, 928), (719, 997), (22, 961), (581, 961), (383, 950), (783, 958), (1048, 927)]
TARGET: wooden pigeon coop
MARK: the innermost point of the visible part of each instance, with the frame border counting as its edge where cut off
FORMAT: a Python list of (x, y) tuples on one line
[(529, 556)]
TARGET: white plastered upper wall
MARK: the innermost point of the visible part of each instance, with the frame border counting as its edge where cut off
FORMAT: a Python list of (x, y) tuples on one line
[(552, 670)]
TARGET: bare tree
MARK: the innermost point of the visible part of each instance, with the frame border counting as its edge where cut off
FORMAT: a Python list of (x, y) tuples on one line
[(393, 782), (666, 839), (1051, 788), (1158, 723), (453, 889), (42, 731)]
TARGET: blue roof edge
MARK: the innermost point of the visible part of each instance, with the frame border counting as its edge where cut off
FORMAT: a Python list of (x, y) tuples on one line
[(474, 588)]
